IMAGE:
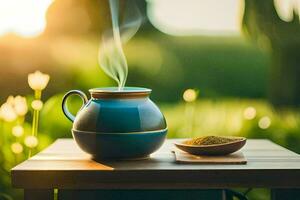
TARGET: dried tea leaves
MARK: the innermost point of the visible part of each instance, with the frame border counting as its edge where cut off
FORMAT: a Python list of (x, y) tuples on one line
[(211, 140)]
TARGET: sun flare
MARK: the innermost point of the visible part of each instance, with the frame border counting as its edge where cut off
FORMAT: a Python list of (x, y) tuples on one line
[(25, 18), (194, 17)]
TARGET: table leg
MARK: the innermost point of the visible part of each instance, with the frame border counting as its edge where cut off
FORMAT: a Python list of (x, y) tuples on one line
[(38, 194), (285, 194)]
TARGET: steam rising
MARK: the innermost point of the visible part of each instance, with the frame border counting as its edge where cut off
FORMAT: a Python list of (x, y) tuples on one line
[(111, 55)]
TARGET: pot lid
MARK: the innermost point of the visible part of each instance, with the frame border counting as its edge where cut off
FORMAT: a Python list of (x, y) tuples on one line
[(114, 92)]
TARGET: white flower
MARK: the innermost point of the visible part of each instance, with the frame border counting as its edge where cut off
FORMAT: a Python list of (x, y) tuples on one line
[(31, 141), (20, 105), (38, 80), (11, 100), (7, 112), (37, 104), (286, 8)]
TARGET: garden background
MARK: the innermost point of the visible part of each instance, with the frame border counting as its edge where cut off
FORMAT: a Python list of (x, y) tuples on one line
[(245, 73)]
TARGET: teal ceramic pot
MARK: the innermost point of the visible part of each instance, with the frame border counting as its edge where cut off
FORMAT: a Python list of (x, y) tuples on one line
[(117, 124)]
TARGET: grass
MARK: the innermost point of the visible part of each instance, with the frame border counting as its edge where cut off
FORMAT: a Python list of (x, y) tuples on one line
[(237, 117)]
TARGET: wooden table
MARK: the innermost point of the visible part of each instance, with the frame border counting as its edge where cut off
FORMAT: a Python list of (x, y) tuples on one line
[(65, 167)]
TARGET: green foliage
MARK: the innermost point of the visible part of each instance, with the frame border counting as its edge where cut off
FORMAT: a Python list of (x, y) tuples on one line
[(220, 66), (8, 159), (281, 39), (224, 66), (56, 125)]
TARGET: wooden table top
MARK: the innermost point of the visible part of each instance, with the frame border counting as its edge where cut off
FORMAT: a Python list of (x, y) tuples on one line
[(63, 165)]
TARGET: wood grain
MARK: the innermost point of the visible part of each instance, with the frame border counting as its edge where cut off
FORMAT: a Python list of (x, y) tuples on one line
[(63, 165)]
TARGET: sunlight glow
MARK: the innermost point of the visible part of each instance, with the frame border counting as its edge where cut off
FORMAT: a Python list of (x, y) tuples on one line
[(23, 17), (194, 17)]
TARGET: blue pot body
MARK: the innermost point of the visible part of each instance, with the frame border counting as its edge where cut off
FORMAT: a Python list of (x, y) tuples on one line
[(119, 116), (120, 145), (115, 125)]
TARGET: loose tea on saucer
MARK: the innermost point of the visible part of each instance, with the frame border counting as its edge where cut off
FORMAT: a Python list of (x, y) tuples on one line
[(210, 140)]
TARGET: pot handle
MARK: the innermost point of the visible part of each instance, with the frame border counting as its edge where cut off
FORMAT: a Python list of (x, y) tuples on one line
[(65, 109)]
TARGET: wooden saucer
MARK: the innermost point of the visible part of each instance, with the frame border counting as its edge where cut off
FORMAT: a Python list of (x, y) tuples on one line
[(215, 149)]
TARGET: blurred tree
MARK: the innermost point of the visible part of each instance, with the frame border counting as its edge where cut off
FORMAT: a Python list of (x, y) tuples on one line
[(80, 17), (262, 23), (85, 17)]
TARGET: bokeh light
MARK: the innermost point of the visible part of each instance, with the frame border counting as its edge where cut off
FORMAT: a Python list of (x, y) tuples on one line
[(264, 122), (18, 131), (31, 141), (189, 95), (249, 113), (16, 148)]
